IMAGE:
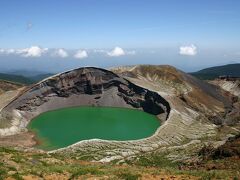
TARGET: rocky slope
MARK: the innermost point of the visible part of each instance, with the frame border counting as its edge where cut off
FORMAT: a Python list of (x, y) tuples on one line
[(8, 90), (16, 164), (8, 86), (230, 85), (196, 94)]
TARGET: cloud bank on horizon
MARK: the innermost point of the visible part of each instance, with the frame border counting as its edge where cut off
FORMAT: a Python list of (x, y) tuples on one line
[(33, 51), (37, 51)]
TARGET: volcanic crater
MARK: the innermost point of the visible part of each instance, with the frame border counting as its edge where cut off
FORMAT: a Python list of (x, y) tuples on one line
[(88, 86), (192, 112)]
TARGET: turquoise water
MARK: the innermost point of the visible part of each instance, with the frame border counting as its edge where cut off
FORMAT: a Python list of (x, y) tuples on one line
[(63, 127)]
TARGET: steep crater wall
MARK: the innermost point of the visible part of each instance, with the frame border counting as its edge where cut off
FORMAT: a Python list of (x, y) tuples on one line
[(84, 87)]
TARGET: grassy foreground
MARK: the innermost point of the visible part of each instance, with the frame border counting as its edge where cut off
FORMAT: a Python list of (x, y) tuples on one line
[(15, 164)]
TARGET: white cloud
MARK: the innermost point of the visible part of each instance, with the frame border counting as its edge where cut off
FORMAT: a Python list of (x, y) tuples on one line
[(10, 51), (80, 54), (188, 50), (60, 53), (34, 51), (117, 51), (7, 51)]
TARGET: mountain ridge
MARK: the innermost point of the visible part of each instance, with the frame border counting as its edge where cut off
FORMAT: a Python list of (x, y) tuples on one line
[(27, 80), (216, 71)]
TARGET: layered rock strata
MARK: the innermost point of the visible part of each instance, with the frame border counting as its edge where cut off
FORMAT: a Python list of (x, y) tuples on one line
[(81, 87)]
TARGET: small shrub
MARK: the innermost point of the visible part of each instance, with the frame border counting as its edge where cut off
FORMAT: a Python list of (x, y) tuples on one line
[(3, 172), (83, 171), (17, 176), (17, 158), (7, 150), (128, 176), (156, 161)]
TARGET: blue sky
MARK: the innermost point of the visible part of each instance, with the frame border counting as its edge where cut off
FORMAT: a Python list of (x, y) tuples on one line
[(187, 34)]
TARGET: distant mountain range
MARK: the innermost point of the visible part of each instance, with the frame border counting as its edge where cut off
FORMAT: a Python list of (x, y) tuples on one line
[(25, 73), (24, 79), (214, 72)]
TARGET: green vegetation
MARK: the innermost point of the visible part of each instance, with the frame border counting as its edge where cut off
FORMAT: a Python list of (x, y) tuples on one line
[(70, 125), (155, 161), (127, 175), (16, 78), (18, 164), (214, 72), (40, 77), (22, 79), (76, 172)]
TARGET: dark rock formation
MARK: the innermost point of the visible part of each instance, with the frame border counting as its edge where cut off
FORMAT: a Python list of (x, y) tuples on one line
[(229, 149), (88, 87)]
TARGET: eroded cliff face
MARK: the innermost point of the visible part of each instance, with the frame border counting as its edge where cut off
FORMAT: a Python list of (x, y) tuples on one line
[(231, 87), (193, 93), (83, 87)]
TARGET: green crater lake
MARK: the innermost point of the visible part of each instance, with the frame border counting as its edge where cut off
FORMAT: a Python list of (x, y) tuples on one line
[(63, 127)]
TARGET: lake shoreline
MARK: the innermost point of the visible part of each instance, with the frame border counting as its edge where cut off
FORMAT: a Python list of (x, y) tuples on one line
[(123, 132)]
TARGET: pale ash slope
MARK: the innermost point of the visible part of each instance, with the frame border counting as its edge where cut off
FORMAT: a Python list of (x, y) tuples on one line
[(6, 86), (232, 86), (8, 91)]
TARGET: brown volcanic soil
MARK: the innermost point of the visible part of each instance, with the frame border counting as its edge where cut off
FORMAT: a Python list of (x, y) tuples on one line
[(232, 89), (230, 149), (8, 86), (225, 158), (24, 139), (9, 90)]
